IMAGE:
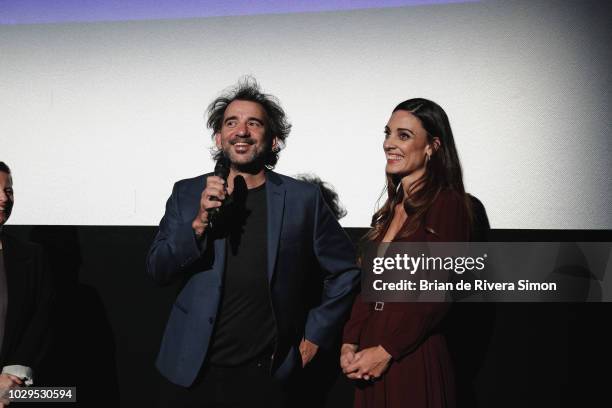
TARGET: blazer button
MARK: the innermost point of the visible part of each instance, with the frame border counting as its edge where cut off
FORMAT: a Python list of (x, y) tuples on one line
[(211, 320)]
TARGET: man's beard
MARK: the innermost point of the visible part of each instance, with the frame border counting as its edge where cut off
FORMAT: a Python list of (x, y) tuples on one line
[(254, 165)]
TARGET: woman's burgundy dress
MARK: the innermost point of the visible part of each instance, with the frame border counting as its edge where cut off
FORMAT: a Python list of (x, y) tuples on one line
[(420, 374)]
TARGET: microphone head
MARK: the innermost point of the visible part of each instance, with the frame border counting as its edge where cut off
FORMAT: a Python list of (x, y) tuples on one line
[(222, 168)]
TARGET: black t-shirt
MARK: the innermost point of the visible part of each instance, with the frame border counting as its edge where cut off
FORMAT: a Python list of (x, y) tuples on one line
[(245, 327)]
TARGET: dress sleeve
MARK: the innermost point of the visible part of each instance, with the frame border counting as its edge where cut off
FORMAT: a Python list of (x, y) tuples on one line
[(417, 322), (446, 221), (359, 314)]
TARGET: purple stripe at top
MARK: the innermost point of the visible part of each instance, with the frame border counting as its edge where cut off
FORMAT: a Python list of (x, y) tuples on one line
[(60, 11)]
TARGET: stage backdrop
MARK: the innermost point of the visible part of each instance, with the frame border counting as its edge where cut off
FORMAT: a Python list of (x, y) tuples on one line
[(102, 103)]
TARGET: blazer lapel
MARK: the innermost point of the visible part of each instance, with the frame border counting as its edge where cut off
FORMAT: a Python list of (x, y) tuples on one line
[(219, 262), (275, 192)]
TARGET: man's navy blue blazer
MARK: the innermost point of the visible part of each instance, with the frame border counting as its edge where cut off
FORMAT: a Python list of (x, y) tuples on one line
[(304, 240)]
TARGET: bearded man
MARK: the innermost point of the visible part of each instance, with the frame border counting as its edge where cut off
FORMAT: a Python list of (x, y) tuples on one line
[(242, 326)]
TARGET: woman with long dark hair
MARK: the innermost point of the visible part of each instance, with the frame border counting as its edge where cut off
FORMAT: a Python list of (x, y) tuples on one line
[(396, 351)]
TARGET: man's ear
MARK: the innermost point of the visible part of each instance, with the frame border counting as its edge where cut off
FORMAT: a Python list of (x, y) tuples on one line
[(275, 146), (218, 140)]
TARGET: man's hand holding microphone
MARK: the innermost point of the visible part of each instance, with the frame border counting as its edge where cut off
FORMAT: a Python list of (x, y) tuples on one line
[(212, 198)]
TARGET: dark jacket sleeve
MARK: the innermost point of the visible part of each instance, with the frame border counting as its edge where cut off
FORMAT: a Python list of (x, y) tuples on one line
[(336, 256), (36, 336), (175, 246), (446, 221)]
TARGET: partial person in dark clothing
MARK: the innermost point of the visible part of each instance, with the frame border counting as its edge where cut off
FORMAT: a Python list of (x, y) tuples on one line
[(468, 326), (480, 222), (239, 331), (25, 300), (82, 351), (396, 351), (320, 375)]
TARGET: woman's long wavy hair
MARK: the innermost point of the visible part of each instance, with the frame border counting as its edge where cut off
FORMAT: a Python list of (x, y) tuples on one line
[(443, 171)]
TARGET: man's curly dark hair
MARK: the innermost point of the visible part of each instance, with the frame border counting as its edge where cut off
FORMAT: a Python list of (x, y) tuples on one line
[(4, 168), (277, 125)]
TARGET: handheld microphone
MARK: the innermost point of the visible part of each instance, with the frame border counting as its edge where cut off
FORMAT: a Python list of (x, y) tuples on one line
[(222, 169)]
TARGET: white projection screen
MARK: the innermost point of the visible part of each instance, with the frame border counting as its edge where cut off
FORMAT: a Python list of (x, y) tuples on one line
[(99, 116)]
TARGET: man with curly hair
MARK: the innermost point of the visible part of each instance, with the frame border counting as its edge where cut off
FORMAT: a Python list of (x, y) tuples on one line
[(241, 327)]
